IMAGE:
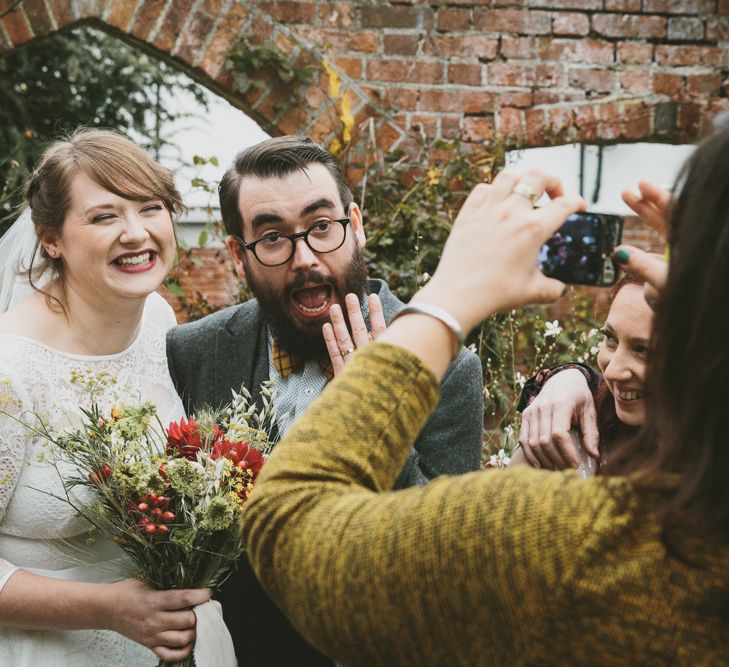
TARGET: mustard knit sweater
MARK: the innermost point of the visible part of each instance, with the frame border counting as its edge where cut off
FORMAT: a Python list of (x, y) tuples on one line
[(518, 567)]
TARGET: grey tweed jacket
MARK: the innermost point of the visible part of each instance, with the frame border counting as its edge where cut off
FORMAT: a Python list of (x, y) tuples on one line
[(228, 349)]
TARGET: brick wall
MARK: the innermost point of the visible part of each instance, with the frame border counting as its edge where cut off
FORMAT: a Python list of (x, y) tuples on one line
[(530, 72), (210, 283), (543, 71)]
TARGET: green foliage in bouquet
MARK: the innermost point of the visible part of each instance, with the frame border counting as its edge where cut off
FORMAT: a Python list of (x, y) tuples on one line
[(172, 498)]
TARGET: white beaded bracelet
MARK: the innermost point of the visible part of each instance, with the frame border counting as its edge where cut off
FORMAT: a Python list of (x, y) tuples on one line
[(439, 314)]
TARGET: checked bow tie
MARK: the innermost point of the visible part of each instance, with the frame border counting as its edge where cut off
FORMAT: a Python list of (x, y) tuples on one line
[(285, 364)]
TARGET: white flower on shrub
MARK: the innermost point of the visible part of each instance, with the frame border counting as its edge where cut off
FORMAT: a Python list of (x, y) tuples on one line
[(552, 329), (500, 460)]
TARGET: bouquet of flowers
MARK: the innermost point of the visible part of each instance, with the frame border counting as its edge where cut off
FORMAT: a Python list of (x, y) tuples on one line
[(172, 498)]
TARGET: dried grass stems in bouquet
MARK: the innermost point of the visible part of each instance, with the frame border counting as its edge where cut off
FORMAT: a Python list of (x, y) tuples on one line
[(172, 498)]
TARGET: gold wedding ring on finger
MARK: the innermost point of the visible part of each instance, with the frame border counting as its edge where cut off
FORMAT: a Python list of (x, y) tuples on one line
[(348, 351), (526, 191)]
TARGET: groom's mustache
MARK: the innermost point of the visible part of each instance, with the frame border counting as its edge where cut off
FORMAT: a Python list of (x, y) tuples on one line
[(301, 279)]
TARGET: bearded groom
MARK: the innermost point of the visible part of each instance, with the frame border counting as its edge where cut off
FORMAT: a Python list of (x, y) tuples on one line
[(296, 236)]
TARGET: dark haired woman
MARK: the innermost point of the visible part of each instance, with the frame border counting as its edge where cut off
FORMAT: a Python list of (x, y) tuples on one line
[(628, 567), (621, 358), (565, 419), (100, 241)]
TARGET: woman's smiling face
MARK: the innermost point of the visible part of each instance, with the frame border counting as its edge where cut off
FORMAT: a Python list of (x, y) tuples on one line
[(622, 355), (112, 246)]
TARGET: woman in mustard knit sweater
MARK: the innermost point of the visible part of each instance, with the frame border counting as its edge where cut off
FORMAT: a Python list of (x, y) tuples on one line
[(524, 566)]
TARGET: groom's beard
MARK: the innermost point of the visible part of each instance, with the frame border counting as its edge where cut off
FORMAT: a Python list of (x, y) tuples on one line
[(304, 340)]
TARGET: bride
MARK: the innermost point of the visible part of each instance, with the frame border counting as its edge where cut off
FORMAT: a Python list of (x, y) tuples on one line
[(96, 244)]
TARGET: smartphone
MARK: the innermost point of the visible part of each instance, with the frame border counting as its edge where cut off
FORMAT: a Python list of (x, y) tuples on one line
[(579, 251)]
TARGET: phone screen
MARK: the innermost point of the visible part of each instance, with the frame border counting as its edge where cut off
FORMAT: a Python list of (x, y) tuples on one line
[(579, 251)]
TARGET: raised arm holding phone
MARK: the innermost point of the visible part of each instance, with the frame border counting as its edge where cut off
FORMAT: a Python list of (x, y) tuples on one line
[(632, 564)]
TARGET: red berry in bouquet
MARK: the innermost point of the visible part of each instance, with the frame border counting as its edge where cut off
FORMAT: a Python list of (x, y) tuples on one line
[(100, 475)]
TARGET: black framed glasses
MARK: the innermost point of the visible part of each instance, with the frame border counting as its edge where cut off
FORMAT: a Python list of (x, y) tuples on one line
[(275, 249)]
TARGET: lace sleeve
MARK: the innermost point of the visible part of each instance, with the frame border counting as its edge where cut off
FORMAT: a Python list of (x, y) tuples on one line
[(13, 438)]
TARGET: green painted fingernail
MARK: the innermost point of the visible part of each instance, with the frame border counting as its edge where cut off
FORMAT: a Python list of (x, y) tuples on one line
[(621, 256)]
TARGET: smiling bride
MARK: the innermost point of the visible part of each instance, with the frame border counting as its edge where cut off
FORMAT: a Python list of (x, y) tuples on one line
[(95, 243)]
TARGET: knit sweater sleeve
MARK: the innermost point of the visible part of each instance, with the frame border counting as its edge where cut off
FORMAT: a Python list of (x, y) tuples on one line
[(464, 567)]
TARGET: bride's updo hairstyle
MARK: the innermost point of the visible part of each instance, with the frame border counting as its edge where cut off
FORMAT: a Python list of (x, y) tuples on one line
[(106, 157)]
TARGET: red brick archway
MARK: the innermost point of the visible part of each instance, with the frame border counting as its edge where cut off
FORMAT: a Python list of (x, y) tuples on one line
[(534, 72)]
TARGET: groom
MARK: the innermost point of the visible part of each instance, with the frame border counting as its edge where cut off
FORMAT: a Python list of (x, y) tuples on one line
[(296, 236)]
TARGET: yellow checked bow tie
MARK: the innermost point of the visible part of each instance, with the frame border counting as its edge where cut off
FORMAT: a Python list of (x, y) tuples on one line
[(285, 364)]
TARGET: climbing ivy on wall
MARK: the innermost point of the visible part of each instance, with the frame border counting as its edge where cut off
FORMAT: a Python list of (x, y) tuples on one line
[(259, 66)]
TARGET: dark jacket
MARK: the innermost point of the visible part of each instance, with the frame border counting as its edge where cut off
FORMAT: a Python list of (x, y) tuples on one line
[(228, 349)]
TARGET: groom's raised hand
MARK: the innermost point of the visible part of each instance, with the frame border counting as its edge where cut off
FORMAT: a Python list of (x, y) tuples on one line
[(339, 340)]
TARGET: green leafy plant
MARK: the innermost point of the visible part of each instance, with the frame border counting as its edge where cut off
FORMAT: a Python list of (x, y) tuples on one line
[(266, 65), (409, 201), (513, 346), (190, 303)]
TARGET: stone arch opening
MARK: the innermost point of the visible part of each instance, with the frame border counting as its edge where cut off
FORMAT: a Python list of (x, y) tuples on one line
[(195, 37)]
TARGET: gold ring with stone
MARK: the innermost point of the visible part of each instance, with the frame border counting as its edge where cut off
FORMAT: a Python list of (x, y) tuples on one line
[(526, 191), (349, 350)]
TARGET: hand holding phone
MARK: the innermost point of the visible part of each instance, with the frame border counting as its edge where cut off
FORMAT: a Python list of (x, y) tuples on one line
[(579, 251)]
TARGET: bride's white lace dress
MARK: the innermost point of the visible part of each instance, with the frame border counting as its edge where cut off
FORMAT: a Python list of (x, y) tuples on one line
[(41, 534)]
